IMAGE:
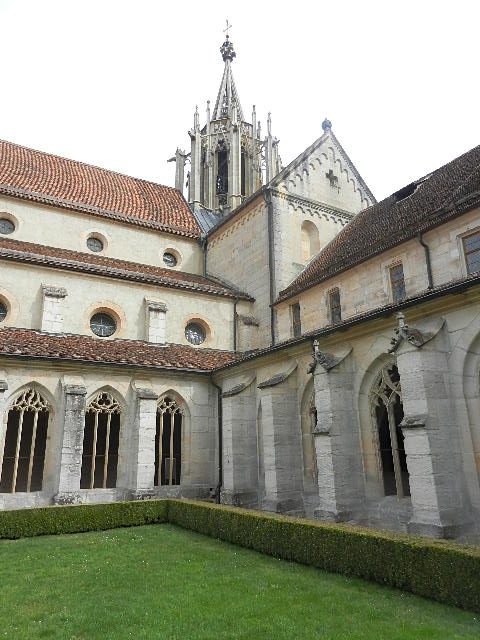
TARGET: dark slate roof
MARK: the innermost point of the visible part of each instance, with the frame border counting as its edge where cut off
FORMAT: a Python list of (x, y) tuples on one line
[(31, 253), (206, 218), (36, 344), (52, 180), (427, 202)]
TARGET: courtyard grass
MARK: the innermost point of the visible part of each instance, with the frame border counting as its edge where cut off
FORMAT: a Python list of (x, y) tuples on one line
[(160, 581)]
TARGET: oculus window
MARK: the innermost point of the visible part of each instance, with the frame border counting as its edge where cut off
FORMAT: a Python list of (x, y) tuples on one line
[(169, 259), (195, 333), (3, 311), (103, 325), (95, 244), (471, 249), (6, 226)]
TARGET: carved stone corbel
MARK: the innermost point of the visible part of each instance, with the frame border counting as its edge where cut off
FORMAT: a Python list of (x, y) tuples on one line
[(326, 360), (416, 337)]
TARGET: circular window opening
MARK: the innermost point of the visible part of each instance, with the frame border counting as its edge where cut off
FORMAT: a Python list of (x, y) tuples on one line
[(94, 244), (195, 333), (6, 226), (170, 259), (103, 325), (3, 311)]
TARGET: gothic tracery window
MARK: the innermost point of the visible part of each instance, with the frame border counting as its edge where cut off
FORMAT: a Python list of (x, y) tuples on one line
[(100, 443), (388, 412), (168, 442), (25, 442)]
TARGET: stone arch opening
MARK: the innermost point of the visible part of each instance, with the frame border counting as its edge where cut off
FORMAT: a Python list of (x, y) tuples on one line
[(387, 414), (168, 441), (23, 457), (310, 240), (101, 440)]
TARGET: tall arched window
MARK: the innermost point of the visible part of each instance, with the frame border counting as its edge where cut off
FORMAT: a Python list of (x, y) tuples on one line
[(168, 442), (388, 413), (310, 240), (100, 443), (25, 441)]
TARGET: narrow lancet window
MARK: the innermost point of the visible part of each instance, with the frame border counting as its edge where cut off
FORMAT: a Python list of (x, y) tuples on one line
[(25, 442), (222, 175), (388, 409), (335, 306), (100, 443), (168, 442)]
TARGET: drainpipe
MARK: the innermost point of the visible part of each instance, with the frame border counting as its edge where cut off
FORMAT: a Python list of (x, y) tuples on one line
[(218, 488), (235, 302), (204, 256), (427, 259), (271, 264)]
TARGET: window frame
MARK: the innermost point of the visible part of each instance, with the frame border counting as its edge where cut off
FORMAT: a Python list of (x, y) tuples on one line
[(462, 238), (296, 322), (330, 294), (390, 268)]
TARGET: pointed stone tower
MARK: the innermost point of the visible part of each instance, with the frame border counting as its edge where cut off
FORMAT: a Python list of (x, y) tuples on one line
[(229, 160)]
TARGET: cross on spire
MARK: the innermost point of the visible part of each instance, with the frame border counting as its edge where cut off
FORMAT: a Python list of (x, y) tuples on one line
[(229, 26)]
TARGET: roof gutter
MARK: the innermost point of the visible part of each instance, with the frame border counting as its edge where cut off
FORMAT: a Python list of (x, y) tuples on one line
[(428, 263)]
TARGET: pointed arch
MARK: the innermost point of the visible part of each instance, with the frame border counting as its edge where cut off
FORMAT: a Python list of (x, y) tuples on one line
[(101, 438), (308, 423), (387, 413), (22, 458), (169, 439)]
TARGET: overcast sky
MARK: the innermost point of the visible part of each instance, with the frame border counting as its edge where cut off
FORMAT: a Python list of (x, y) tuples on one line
[(115, 83)]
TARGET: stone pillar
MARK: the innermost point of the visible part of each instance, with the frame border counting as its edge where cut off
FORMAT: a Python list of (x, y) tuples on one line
[(143, 443), (53, 308), (196, 157), (282, 444), (235, 163), (240, 470), (432, 436), (72, 444), (155, 321), (3, 418), (337, 438)]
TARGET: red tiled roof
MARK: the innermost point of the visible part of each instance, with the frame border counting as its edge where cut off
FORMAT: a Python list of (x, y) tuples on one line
[(432, 200), (35, 344), (49, 179), (31, 253)]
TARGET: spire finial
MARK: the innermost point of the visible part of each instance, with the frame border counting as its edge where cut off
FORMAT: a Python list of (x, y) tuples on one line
[(326, 124), (227, 47)]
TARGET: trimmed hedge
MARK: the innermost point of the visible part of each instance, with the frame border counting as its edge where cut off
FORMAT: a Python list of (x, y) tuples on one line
[(25, 523), (443, 571)]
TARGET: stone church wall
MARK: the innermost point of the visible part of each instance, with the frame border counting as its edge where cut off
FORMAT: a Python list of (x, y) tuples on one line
[(368, 287), (137, 394), (22, 286), (238, 254), (65, 229)]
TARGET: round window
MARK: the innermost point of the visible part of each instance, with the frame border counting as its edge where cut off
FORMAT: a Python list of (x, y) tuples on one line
[(6, 226), (103, 325), (3, 311), (169, 259), (195, 333), (95, 244)]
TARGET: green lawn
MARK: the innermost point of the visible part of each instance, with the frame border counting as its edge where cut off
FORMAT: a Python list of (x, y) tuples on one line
[(163, 582)]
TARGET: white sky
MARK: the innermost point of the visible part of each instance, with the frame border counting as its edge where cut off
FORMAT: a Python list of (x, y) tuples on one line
[(115, 83)]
